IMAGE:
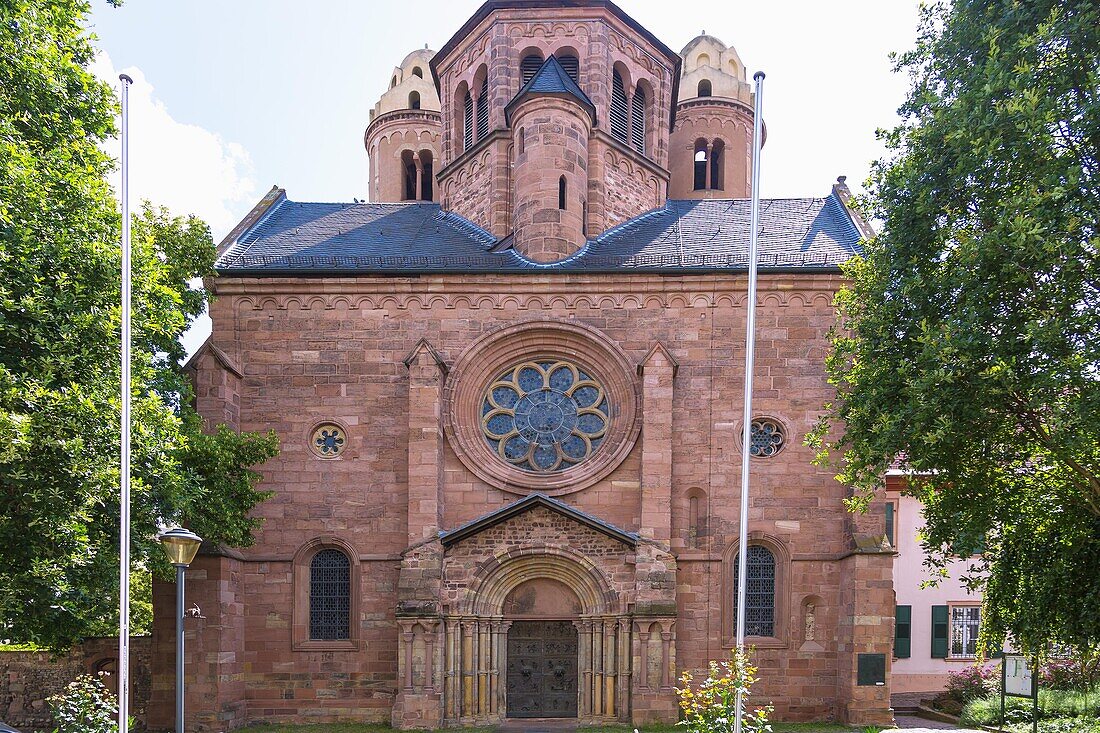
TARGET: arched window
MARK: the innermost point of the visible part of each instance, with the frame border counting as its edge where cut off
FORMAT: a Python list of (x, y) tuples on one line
[(759, 591), (620, 119), (483, 109), (408, 168), (427, 175), (700, 165), (571, 64), (528, 67), (414, 100), (561, 193), (329, 596), (417, 71), (716, 150), (393, 82), (467, 121), (520, 142), (637, 120), (704, 88)]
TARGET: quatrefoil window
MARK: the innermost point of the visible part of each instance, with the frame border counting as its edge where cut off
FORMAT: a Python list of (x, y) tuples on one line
[(545, 416), (328, 440), (767, 438)]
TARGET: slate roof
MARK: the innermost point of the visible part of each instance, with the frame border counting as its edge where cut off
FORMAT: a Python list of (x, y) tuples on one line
[(313, 239), (551, 79), (526, 504)]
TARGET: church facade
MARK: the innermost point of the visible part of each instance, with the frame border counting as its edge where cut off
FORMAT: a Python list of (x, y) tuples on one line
[(508, 392)]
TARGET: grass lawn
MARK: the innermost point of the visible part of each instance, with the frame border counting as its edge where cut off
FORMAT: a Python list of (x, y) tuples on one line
[(380, 728)]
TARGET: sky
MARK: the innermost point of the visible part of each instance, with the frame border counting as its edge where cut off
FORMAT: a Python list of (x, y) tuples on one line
[(231, 97)]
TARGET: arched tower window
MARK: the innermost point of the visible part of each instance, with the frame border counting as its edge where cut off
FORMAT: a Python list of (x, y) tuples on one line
[(408, 167), (520, 141), (483, 109), (393, 82), (700, 165), (561, 193), (427, 175), (717, 149), (637, 120), (329, 596), (414, 100), (417, 71), (528, 67), (620, 119), (759, 591), (467, 121), (704, 88), (571, 64)]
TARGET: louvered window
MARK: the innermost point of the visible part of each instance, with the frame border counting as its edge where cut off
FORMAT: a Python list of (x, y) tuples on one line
[(528, 67), (759, 592), (571, 66), (620, 122), (637, 121), (467, 122), (329, 596), (483, 110)]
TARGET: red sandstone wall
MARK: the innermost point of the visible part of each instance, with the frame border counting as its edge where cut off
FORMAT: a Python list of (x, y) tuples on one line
[(712, 119), (387, 137), (333, 349)]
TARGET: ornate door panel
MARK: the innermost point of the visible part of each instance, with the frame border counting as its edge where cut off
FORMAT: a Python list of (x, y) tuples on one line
[(542, 669)]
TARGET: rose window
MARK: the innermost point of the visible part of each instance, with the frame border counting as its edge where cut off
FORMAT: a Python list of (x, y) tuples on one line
[(328, 440), (766, 438), (545, 416)]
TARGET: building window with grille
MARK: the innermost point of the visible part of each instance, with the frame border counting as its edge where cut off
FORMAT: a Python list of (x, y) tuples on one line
[(329, 596), (528, 67), (965, 623), (483, 110), (759, 591), (637, 120), (620, 117)]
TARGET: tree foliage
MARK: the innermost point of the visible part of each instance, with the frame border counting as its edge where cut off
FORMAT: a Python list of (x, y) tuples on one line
[(59, 350), (969, 347)]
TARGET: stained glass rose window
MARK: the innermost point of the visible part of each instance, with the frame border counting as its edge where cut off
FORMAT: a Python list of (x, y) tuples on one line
[(545, 416), (767, 437), (328, 440)]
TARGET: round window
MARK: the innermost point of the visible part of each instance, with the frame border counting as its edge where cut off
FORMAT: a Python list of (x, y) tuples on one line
[(328, 440), (544, 416), (767, 437)]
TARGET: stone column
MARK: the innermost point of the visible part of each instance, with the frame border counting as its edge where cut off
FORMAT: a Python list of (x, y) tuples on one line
[(610, 666), (584, 652)]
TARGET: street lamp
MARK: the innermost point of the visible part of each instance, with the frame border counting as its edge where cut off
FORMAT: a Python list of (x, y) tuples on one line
[(181, 546)]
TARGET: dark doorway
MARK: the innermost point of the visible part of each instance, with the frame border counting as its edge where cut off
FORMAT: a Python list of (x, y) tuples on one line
[(542, 669)]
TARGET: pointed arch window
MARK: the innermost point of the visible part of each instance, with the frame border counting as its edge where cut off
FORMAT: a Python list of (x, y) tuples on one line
[(620, 118), (330, 596), (637, 120)]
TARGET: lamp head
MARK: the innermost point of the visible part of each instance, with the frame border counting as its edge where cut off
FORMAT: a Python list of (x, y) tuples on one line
[(180, 545)]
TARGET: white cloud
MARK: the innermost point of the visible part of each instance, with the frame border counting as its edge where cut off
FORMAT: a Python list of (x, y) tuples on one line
[(184, 167)]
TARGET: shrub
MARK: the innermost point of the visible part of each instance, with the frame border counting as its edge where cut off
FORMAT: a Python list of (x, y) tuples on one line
[(711, 708), (86, 706), (1065, 674), (1052, 704), (971, 683)]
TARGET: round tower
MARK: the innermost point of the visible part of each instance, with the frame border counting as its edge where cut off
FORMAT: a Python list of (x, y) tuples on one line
[(711, 147), (403, 137), (551, 121)]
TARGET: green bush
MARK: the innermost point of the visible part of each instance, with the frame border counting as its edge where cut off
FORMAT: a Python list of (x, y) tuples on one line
[(86, 706), (1052, 704)]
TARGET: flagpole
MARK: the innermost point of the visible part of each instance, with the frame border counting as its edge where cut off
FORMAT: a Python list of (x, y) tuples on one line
[(124, 522), (750, 358)]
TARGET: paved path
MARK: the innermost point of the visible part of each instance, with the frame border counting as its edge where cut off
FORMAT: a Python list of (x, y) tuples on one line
[(923, 725)]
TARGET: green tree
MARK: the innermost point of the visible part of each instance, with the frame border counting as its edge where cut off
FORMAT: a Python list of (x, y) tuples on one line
[(969, 340), (59, 346)]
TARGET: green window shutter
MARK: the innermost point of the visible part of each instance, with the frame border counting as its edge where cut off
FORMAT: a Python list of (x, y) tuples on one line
[(903, 626), (939, 632), (890, 524)]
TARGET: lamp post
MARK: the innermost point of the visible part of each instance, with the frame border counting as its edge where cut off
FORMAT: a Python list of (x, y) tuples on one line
[(181, 546)]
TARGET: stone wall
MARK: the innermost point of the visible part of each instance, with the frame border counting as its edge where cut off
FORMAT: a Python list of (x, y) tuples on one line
[(27, 679)]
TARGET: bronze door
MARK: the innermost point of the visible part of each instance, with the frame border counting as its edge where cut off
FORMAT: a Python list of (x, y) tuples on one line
[(542, 669)]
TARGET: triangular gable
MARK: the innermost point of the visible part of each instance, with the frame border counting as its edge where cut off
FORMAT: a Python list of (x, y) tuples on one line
[(526, 504)]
